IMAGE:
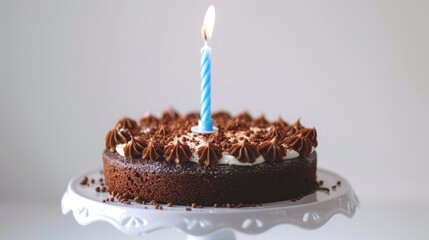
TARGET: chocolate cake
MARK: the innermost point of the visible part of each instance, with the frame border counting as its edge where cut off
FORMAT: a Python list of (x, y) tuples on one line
[(246, 161)]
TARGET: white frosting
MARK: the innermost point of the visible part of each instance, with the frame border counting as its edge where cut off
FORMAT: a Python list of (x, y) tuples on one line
[(290, 154), (194, 157), (120, 149), (226, 158)]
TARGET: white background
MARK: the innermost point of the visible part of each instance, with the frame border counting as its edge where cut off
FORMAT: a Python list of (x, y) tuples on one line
[(356, 70)]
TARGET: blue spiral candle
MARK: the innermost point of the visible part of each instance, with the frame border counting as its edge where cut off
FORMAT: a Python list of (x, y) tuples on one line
[(205, 124)]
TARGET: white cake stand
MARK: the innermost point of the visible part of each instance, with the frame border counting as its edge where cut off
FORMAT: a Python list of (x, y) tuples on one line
[(310, 212)]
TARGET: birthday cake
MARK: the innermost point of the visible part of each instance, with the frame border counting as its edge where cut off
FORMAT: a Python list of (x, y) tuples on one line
[(247, 161)]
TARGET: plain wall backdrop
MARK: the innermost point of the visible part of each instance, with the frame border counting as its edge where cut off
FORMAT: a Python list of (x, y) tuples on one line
[(356, 70)]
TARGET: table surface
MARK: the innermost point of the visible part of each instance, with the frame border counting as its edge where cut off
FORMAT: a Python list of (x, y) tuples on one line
[(374, 220)]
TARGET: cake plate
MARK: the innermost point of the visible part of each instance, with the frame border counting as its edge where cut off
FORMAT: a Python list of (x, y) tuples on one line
[(310, 212)]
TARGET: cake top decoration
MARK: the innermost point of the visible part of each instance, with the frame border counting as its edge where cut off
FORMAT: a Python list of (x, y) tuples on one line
[(240, 140)]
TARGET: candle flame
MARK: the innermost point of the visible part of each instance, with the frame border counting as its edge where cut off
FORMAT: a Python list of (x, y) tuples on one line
[(208, 25)]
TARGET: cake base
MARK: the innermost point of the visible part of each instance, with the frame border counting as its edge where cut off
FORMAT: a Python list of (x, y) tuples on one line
[(189, 182)]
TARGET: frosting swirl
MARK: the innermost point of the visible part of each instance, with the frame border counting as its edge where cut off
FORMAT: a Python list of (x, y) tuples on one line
[(209, 155), (244, 116), (279, 122), (153, 151), (221, 116), (298, 124), (162, 131), (289, 130), (309, 133), (126, 123), (168, 115), (237, 124), (134, 148), (115, 137), (148, 119), (300, 144), (272, 150), (275, 133), (178, 152), (245, 152), (260, 122)]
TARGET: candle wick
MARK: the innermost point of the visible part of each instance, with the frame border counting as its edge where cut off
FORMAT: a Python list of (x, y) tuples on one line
[(204, 32)]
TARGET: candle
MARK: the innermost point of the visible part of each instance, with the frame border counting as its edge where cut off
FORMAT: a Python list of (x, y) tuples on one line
[(205, 123), (205, 113)]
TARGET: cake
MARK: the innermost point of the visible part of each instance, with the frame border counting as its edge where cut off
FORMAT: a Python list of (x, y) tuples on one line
[(247, 161)]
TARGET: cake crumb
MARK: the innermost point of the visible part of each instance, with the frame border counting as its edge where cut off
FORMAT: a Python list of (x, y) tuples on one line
[(84, 181)]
